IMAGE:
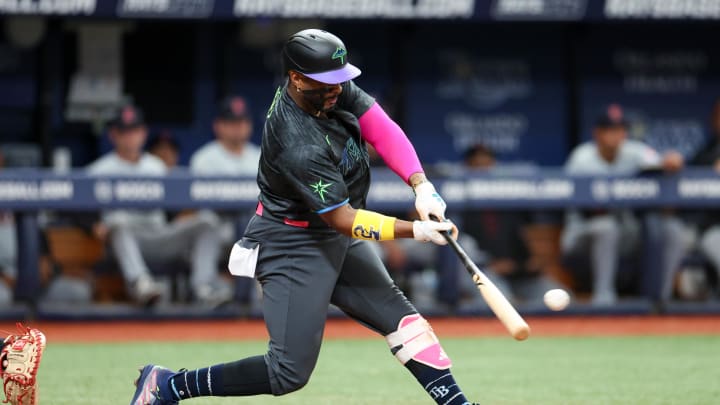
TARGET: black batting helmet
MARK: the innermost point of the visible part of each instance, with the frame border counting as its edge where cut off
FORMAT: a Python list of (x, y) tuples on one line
[(318, 55)]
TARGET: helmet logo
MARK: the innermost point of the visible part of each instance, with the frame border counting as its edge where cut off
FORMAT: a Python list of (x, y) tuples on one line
[(339, 54)]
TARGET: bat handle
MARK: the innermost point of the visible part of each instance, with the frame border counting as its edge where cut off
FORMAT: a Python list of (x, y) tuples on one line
[(446, 234), (434, 218)]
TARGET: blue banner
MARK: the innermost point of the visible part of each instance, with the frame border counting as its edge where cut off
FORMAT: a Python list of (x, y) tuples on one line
[(483, 10), (665, 78), (546, 189), (487, 85)]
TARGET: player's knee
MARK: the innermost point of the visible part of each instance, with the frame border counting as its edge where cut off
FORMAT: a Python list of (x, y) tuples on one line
[(289, 374), (415, 340), (605, 227), (208, 218), (120, 233), (709, 241), (291, 382)]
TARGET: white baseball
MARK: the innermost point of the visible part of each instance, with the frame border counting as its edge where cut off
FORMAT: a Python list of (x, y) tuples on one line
[(556, 299)]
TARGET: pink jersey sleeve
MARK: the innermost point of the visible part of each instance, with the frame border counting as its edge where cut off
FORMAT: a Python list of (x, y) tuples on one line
[(390, 142)]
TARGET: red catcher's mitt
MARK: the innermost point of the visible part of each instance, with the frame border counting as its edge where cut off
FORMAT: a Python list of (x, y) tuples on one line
[(20, 359)]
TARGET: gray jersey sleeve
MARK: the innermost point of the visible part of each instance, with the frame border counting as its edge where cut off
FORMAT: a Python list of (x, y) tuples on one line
[(643, 156), (578, 160), (354, 99)]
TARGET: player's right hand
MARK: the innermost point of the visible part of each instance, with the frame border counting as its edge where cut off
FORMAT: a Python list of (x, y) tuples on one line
[(429, 231), (428, 202)]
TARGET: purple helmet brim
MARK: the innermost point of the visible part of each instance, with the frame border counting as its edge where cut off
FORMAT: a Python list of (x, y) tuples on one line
[(342, 75)]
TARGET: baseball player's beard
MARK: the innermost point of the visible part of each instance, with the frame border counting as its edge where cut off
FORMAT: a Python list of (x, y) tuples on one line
[(317, 98)]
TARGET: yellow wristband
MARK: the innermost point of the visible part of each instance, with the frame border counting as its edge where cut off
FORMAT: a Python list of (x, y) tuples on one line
[(370, 225)]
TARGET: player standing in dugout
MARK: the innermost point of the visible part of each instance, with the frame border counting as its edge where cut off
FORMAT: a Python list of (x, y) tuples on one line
[(308, 242)]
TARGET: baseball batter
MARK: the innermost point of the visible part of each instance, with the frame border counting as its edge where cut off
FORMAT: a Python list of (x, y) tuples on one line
[(308, 243)]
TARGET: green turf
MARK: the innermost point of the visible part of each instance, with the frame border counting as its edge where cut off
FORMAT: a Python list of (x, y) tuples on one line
[(628, 370)]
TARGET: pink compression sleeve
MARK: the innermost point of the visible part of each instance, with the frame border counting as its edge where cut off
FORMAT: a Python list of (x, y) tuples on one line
[(390, 142)]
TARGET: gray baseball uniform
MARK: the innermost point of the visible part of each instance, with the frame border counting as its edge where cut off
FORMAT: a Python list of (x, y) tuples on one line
[(310, 166), (607, 236), (213, 159), (138, 237)]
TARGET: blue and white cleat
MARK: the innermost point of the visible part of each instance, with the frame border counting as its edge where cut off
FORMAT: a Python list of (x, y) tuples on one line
[(148, 390)]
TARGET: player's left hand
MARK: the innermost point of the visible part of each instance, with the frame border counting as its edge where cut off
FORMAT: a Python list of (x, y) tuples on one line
[(428, 201), (429, 231)]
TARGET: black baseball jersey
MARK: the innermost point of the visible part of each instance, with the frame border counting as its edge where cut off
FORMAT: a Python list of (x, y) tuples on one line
[(311, 165)]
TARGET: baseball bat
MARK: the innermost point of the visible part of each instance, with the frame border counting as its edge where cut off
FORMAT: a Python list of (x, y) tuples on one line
[(495, 299)]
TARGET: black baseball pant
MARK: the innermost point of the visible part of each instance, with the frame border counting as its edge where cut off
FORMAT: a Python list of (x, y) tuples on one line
[(302, 271)]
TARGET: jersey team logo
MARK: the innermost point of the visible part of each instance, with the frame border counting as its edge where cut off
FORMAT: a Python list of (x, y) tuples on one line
[(320, 188), (339, 54), (350, 155)]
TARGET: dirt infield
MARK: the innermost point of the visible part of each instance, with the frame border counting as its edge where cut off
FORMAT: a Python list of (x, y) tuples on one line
[(121, 331)]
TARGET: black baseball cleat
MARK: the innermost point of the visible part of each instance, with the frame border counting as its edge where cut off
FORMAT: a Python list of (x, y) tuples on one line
[(147, 391)]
